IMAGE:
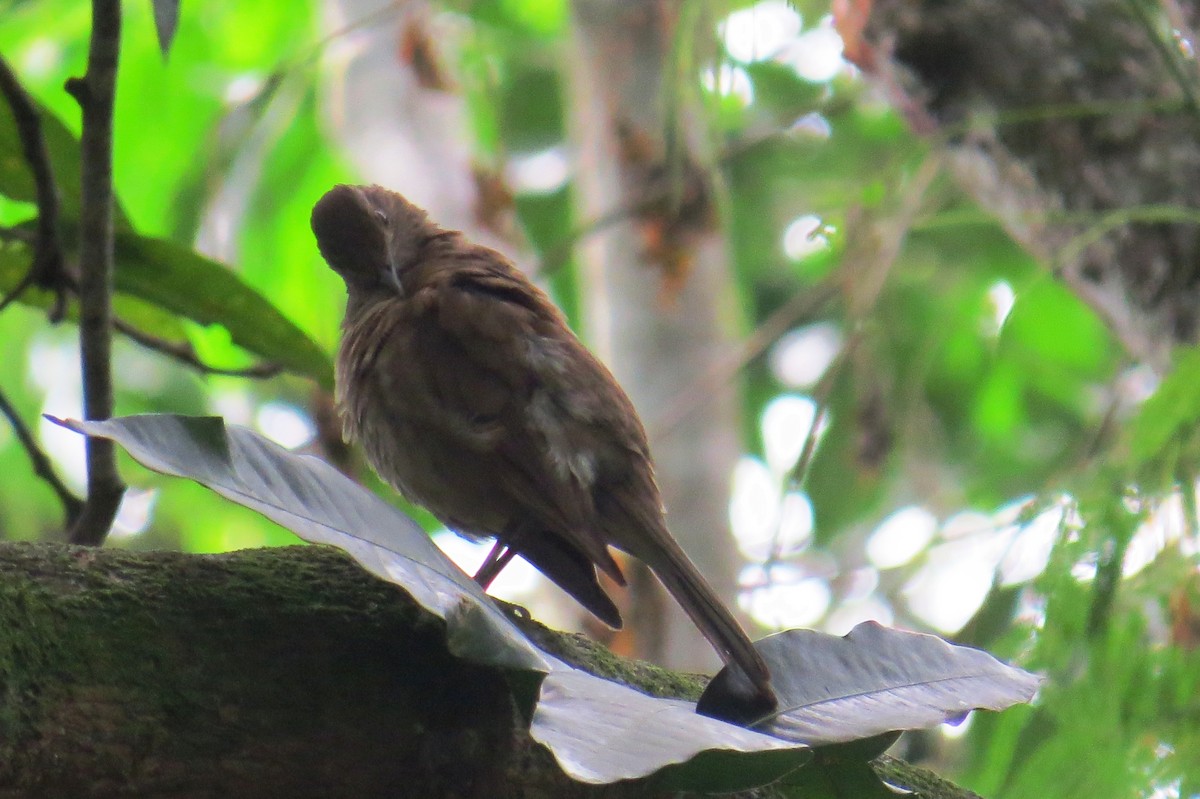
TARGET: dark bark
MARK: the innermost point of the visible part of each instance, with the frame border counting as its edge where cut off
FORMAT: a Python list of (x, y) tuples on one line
[(258, 674), (264, 673), (96, 93), (1076, 124)]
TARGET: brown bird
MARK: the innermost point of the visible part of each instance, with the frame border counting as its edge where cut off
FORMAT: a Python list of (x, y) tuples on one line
[(471, 396)]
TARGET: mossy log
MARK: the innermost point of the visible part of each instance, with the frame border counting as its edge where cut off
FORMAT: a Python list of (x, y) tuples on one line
[(266, 673)]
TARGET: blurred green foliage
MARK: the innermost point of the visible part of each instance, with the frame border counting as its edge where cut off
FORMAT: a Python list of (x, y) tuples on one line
[(945, 398)]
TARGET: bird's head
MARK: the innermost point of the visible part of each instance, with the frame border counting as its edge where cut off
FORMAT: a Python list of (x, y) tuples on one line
[(369, 235)]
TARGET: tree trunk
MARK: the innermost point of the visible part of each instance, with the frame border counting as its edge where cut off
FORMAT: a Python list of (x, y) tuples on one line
[(659, 299)]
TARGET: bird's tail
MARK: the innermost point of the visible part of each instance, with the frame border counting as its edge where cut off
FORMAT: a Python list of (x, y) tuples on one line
[(697, 598)]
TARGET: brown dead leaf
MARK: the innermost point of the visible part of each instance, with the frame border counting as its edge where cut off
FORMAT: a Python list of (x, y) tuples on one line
[(418, 51), (850, 21)]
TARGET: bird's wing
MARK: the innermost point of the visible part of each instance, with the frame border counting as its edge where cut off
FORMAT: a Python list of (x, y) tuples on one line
[(493, 359)]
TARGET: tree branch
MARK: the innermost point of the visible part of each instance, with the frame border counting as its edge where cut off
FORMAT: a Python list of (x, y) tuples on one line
[(184, 354), (265, 673), (42, 466), (96, 93), (18, 290), (47, 266), (799, 307)]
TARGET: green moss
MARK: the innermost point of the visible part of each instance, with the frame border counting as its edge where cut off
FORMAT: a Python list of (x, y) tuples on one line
[(584, 653), (90, 635)]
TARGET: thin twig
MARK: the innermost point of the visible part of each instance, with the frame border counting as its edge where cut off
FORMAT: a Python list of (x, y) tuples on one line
[(64, 284), (1155, 214), (42, 467), (795, 477), (47, 266), (184, 353), (20, 288), (96, 93), (1107, 582), (867, 265), (800, 306)]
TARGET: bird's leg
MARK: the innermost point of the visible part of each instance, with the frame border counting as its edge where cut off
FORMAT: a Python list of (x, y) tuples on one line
[(501, 555), (494, 563), (504, 550)]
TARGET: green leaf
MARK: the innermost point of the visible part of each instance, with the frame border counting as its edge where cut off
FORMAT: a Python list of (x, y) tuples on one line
[(999, 409), (826, 779), (161, 272), (276, 245), (230, 136), (185, 282), (1052, 326), (16, 181), (1174, 408), (842, 490), (15, 260)]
